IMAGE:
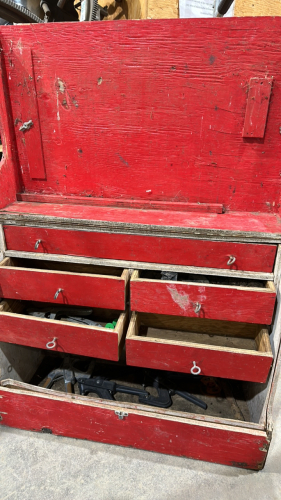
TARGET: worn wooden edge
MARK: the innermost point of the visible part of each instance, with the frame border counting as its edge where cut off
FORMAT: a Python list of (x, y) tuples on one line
[(270, 288), (265, 417), (2, 243), (199, 325), (121, 325), (140, 265), (276, 374), (5, 264), (197, 419), (277, 266), (133, 331), (9, 308), (43, 221), (263, 343), (122, 203)]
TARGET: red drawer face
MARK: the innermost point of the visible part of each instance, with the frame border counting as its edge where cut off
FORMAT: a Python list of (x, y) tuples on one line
[(62, 283), (61, 336), (87, 418), (184, 252), (181, 298), (216, 349)]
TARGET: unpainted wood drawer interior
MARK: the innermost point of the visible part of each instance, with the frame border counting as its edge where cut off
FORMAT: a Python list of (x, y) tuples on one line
[(227, 334)]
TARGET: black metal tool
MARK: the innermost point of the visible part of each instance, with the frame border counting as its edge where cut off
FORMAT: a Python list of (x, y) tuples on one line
[(69, 372), (106, 389), (64, 313)]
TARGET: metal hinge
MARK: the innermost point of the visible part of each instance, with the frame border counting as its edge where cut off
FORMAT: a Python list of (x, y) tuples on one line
[(121, 414)]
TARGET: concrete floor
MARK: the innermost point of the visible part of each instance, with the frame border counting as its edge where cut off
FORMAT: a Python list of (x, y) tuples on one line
[(45, 467)]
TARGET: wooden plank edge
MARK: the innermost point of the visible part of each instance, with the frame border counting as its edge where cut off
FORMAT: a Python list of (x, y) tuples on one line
[(140, 265), (21, 387), (120, 203)]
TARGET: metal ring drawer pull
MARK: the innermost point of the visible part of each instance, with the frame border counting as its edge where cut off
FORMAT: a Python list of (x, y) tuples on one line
[(57, 293), (197, 307), (231, 260), (52, 344), (195, 370), (37, 244)]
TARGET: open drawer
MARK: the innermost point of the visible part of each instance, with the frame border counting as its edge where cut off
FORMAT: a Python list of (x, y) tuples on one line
[(17, 327), (64, 283), (243, 300), (213, 348)]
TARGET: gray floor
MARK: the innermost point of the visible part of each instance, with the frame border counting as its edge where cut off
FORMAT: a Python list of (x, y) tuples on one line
[(44, 467)]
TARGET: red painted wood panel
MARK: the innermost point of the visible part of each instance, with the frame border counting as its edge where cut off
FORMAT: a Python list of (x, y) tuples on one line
[(213, 362), (186, 252), (33, 332), (217, 302), (186, 438), (137, 219), (9, 166), (88, 291), (257, 107), (175, 113)]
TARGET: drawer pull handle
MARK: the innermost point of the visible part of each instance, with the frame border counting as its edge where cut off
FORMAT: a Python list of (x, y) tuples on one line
[(231, 260), (197, 307), (52, 344), (57, 293), (195, 370), (37, 244)]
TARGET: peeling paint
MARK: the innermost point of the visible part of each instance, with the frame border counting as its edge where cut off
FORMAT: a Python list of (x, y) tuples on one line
[(181, 299)]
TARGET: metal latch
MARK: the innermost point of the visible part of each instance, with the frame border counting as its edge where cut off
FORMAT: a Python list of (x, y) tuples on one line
[(121, 414)]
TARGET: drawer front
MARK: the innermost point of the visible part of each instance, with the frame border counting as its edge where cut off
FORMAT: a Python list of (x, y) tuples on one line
[(140, 429), (64, 288), (203, 301), (185, 252), (211, 363), (163, 353), (62, 336)]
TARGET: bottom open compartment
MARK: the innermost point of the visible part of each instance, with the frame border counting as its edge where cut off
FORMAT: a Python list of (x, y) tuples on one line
[(231, 431)]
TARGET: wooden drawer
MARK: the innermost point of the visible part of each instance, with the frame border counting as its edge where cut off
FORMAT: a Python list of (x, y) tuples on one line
[(130, 247), (64, 283), (213, 348), (62, 336), (200, 300)]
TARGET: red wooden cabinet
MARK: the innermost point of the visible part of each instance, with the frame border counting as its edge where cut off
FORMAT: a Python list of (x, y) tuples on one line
[(152, 159)]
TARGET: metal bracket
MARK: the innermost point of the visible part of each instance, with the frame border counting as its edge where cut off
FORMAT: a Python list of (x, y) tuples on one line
[(121, 414)]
